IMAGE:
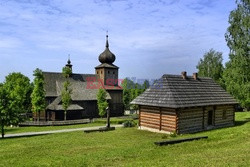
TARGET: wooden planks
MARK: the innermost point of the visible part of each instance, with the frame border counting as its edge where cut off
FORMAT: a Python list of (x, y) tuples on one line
[(161, 143), (224, 120), (188, 120), (158, 118)]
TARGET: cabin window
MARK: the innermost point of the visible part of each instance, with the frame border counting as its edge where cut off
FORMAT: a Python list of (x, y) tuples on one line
[(108, 72), (97, 72), (113, 72), (101, 72), (224, 114)]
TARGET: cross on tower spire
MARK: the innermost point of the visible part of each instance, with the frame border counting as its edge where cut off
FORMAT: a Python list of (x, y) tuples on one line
[(107, 42)]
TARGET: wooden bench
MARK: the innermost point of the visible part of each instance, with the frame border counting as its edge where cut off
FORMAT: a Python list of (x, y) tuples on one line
[(104, 129)]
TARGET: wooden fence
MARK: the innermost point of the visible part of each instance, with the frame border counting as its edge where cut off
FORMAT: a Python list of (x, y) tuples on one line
[(54, 123)]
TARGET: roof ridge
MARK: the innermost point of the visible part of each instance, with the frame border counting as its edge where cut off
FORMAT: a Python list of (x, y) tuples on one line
[(179, 75), (61, 73)]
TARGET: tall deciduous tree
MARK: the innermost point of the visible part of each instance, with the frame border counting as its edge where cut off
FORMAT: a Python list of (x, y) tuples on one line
[(5, 109), (126, 93), (237, 71), (131, 90), (19, 89), (66, 92), (145, 85), (14, 99), (102, 101), (38, 94), (211, 65)]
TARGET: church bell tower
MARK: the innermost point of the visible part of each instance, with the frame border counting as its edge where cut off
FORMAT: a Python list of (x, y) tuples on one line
[(107, 71)]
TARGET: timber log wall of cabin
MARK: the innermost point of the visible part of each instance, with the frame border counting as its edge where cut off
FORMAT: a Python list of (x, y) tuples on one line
[(158, 118), (195, 119), (186, 120), (227, 119), (190, 120)]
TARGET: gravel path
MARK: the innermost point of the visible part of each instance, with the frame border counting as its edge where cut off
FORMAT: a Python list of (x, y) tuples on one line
[(54, 131)]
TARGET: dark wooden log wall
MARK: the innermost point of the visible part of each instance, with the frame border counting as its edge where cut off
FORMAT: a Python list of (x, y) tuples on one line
[(190, 120), (195, 119), (224, 120)]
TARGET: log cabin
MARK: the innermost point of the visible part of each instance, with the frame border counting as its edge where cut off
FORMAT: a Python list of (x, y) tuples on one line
[(84, 91), (185, 104)]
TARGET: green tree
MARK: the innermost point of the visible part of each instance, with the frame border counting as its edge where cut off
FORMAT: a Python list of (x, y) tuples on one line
[(211, 65), (236, 75), (134, 93), (66, 92), (145, 85), (131, 90), (66, 71), (5, 110), (14, 99), (19, 88), (66, 97), (38, 94), (126, 94), (102, 102)]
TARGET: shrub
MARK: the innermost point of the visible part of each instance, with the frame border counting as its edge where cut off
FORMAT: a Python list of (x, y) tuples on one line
[(173, 134), (129, 124), (135, 116)]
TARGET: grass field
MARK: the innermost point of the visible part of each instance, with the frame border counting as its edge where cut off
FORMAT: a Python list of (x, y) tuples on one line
[(130, 147)]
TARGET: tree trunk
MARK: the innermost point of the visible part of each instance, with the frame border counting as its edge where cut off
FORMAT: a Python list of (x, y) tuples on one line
[(38, 119), (65, 115), (2, 128)]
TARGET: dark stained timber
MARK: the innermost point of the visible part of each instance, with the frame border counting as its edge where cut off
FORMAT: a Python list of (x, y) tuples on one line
[(161, 143)]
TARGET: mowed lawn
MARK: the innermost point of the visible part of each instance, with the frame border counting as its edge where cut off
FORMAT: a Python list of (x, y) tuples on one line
[(130, 147)]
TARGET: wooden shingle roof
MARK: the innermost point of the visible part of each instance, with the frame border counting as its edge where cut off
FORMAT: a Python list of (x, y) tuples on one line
[(175, 92), (81, 91), (55, 105), (106, 65)]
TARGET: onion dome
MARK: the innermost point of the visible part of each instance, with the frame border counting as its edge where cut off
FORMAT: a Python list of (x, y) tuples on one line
[(107, 56), (69, 63)]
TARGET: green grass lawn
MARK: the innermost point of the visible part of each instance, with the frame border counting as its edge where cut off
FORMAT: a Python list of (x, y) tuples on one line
[(130, 147)]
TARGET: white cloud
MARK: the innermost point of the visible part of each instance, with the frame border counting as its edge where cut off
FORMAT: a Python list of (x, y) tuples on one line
[(172, 31), (10, 43)]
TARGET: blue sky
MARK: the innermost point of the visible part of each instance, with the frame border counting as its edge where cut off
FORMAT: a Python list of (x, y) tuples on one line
[(149, 37)]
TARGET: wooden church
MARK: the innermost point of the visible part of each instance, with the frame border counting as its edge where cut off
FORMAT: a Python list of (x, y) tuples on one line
[(84, 91)]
